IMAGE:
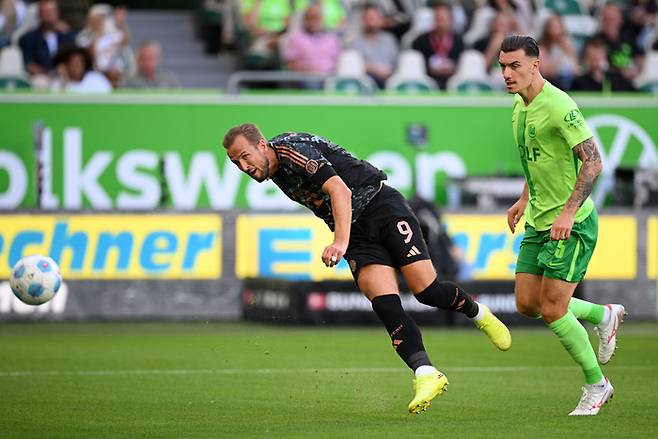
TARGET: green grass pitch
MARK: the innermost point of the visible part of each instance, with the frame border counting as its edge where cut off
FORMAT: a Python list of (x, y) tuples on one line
[(200, 380)]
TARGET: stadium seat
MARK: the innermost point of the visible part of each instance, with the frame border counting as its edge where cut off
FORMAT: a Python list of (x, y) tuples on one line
[(423, 21), (566, 7), (480, 25), (647, 80), (650, 87), (410, 76), (471, 74), (351, 75), (12, 74), (8, 84), (580, 25), (580, 28), (11, 61)]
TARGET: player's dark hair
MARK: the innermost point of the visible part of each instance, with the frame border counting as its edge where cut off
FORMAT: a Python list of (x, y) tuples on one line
[(516, 42), (248, 130)]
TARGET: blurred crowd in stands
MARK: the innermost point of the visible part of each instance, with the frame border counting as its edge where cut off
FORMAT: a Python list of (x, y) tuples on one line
[(588, 45), (74, 45), (362, 45)]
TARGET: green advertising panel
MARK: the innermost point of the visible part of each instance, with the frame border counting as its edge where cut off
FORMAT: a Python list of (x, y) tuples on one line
[(142, 152)]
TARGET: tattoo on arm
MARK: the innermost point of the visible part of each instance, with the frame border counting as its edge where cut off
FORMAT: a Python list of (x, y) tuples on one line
[(590, 169)]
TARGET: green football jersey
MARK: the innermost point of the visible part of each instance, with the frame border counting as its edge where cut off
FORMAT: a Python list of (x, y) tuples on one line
[(545, 132)]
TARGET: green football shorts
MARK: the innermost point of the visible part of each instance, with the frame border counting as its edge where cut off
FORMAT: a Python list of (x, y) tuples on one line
[(564, 259)]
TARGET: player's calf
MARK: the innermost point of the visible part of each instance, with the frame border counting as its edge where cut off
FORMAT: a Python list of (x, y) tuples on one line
[(402, 329), (448, 295)]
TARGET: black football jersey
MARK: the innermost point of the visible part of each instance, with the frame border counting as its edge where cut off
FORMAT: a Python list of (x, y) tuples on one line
[(307, 161)]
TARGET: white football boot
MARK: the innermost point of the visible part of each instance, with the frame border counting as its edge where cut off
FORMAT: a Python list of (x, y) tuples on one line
[(594, 396), (608, 332)]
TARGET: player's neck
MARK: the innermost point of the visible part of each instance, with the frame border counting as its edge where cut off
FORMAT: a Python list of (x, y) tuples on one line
[(273, 160), (530, 93)]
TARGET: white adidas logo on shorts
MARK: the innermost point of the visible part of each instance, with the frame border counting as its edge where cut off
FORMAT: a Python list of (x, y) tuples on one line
[(413, 252)]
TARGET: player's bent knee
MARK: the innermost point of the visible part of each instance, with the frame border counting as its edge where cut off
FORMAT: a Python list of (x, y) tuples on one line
[(551, 312), (441, 294), (527, 309)]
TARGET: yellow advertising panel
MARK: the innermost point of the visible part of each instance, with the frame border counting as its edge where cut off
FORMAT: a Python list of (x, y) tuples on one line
[(116, 246), (284, 246), (488, 246), (615, 256), (652, 246), (491, 250), (289, 246)]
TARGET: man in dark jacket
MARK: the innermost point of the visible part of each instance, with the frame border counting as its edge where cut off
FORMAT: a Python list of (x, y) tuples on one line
[(40, 45)]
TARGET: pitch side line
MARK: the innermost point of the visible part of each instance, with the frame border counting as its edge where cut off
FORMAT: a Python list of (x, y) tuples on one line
[(28, 373)]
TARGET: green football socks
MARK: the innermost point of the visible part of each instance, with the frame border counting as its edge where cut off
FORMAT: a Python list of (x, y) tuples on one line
[(573, 337), (583, 310)]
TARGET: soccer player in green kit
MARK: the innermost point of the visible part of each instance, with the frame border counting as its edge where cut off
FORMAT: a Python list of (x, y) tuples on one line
[(561, 162)]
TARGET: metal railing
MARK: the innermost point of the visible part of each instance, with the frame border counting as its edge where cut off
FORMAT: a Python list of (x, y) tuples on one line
[(281, 76)]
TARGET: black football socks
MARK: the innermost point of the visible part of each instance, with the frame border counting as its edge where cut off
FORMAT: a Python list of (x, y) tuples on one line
[(448, 295), (404, 332)]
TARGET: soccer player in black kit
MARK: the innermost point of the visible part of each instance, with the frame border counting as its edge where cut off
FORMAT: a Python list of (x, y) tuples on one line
[(374, 229)]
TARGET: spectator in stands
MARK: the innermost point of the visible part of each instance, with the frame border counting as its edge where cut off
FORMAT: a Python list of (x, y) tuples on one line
[(379, 48), (312, 49), (333, 12), (149, 75), (41, 44), (598, 76), (502, 25), (12, 14), (106, 35), (441, 47), (557, 56), (74, 12), (624, 54), (519, 9), (74, 67), (265, 21), (398, 14), (121, 23), (641, 17)]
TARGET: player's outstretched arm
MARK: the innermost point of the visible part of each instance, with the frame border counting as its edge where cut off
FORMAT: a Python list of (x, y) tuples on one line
[(589, 155), (341, 207), (515, 212)]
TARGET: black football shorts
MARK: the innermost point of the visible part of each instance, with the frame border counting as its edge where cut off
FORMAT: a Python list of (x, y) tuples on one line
[(386, 233)]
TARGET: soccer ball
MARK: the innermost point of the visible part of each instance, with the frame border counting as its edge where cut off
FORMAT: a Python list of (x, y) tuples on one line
[(35, 279)]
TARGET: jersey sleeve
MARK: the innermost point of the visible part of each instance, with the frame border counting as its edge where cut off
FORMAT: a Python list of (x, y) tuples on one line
[(570, 123), (306, 160)]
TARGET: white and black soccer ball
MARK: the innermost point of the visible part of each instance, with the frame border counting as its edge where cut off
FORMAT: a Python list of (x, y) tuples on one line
[(35, 279)]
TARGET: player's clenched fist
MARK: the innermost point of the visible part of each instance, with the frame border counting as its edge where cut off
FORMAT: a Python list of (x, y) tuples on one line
[(332, 254)]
